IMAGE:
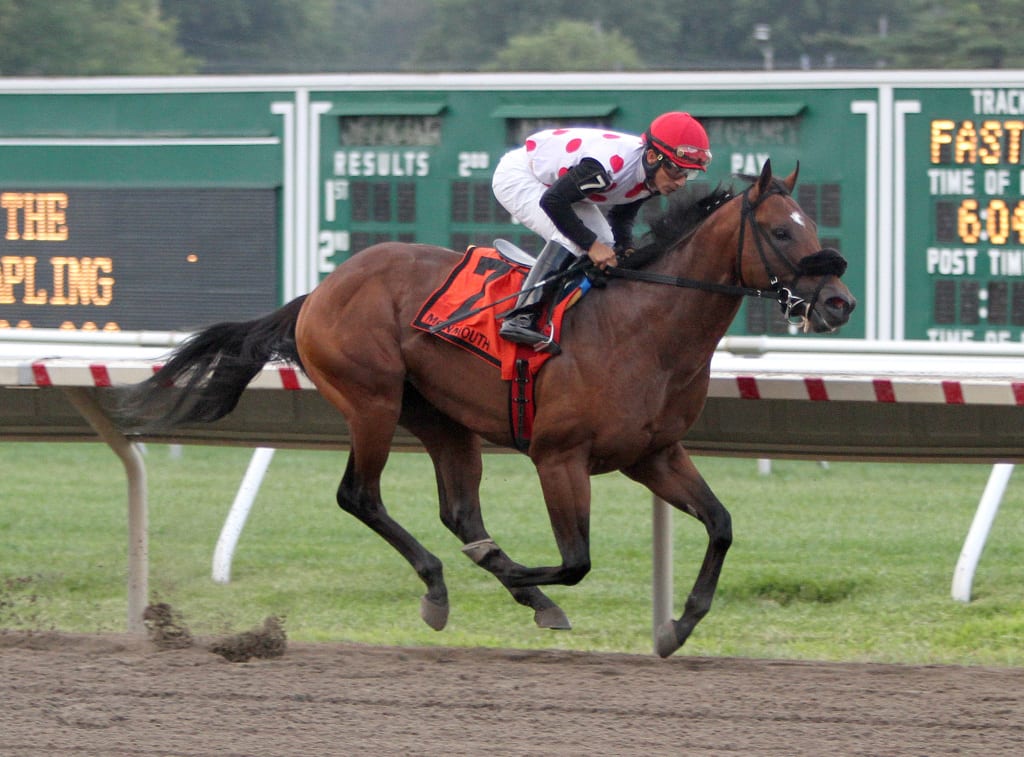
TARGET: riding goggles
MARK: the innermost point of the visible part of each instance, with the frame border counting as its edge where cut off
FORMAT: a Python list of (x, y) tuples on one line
[(678, 172), (700, 157)]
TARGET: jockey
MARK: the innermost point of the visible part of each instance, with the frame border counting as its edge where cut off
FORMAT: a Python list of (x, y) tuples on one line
[(581, 189)]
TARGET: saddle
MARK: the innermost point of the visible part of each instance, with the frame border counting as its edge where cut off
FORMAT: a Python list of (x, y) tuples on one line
[(458, 312)]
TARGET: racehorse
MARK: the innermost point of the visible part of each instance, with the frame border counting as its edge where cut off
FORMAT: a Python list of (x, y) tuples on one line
[(632, 377)]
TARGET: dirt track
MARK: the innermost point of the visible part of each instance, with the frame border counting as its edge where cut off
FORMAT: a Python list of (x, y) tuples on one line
[(118, 695)]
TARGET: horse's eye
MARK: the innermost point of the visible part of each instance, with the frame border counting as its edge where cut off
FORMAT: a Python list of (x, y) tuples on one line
[(781, 233)]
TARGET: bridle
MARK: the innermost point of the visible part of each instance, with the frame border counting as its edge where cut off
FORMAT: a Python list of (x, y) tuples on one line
[(825, 262)]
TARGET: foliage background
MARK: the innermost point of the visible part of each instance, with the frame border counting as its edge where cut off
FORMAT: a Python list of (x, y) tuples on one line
[(121, 37)]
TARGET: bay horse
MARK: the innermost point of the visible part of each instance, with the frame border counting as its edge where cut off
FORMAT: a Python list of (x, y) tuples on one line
[(631, 378)]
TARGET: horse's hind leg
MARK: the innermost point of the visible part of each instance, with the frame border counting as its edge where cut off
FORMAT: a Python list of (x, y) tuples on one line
[(359, 495), (455, 452), (347, 344)]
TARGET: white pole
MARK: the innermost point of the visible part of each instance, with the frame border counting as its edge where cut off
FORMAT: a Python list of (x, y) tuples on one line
[(239, 512), (661, 592), (963, 575)]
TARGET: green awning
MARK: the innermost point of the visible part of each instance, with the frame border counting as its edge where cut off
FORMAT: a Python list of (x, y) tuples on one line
[(388, 107), (555, 110), (783, 109)]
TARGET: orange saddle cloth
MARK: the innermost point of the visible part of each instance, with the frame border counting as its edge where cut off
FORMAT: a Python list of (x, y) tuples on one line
[(482, 277)]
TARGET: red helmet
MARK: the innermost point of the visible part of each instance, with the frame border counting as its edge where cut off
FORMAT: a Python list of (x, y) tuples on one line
[(681, 139)]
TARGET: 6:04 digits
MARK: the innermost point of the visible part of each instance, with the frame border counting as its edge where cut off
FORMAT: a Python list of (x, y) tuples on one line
[(996, 223)]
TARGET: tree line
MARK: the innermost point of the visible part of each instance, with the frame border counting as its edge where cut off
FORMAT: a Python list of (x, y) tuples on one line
[(166, 37)]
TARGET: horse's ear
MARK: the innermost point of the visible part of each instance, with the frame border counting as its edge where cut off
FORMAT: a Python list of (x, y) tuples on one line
[(766, 177), (790, 181)]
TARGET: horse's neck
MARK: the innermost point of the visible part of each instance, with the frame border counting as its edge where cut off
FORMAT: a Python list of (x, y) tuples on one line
[(701, 317), (709, 254)]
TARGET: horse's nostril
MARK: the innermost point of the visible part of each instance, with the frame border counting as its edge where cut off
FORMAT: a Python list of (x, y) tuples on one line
[(840, 304)]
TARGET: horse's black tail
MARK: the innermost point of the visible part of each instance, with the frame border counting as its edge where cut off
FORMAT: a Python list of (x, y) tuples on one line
[(204, 377)]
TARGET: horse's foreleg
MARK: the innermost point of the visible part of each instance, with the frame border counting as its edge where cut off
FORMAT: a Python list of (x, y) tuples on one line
[(455, 452), (466, 522), (671, 475), (565, 483), (488, 555)]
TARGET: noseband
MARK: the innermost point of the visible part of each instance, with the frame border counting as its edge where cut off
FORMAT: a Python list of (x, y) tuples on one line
[(824, 263)]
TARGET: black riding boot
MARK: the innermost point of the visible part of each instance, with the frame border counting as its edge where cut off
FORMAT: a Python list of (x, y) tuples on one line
[(520, 325)]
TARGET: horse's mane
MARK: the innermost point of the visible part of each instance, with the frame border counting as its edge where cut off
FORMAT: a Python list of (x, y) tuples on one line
[(684, 213)]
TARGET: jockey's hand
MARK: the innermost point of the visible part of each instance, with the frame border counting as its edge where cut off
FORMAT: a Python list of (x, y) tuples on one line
[(602, 255)]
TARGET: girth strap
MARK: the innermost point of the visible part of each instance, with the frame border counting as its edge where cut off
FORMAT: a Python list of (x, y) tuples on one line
[(521, 406)]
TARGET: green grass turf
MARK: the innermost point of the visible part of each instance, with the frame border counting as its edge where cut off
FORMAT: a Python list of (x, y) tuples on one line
[(853, 562)]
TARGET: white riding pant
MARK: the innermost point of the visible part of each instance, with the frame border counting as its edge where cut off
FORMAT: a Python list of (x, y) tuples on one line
[(519, 192)]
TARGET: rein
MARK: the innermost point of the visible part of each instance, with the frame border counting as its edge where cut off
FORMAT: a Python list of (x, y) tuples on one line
[(615, 272), (795, 308)]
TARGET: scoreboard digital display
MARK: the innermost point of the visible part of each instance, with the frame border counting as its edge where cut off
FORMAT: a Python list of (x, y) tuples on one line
[(993, 145), (964, 159), (92, 259)]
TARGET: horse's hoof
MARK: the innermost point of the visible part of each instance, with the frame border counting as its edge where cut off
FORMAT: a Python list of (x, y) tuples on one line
[(552, 617), (665, 640), (434, 615)]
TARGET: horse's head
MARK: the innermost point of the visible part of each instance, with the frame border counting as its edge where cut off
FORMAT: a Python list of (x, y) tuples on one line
[(779, 251)]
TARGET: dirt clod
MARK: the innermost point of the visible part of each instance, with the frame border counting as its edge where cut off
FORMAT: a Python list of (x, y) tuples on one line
[(266, 642), (165, 626)]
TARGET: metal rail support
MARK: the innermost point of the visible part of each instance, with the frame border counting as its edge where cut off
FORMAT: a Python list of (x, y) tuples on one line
[(138, 511), (963, 574), (239, 513)]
